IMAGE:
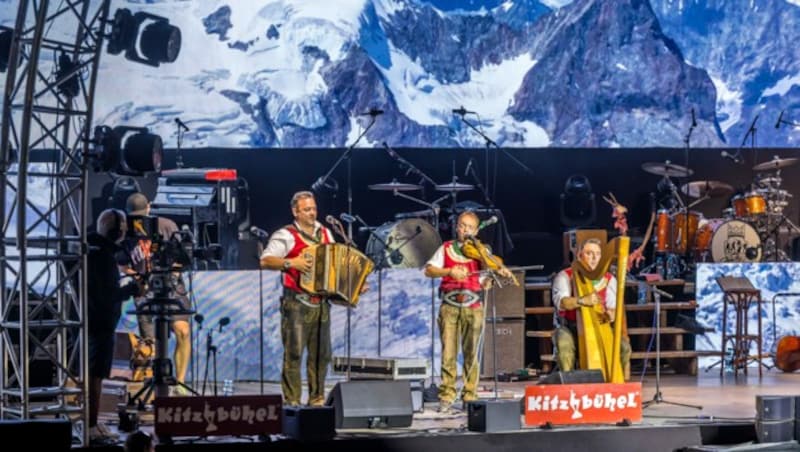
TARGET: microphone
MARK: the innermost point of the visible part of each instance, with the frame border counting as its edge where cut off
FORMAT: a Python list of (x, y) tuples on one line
[(734, 158), (258, 232), (469, 166), (778, 124), (694, 121), (372, 112), (199, 318), (223, 321), (462, 111), (347, 218), (391, 151), (331, 220), (181, 124), (492, 220), (318, 184)]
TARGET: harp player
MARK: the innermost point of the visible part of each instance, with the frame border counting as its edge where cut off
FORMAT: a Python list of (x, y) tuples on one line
[(566, 302)]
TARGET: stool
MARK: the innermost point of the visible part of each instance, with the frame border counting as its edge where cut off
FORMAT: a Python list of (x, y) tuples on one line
[(740, 293)]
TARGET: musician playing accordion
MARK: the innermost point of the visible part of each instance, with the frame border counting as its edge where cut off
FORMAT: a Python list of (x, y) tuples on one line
[(305, 318), (602, 296)]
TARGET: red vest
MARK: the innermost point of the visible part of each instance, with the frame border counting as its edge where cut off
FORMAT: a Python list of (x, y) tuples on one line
[(291, 277), (573, 314), (451, 259)]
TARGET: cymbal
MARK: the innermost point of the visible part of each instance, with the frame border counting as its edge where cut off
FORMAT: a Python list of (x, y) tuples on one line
[(703, 188), (395, 186), (775, 164), (454, 186), (666, 169)]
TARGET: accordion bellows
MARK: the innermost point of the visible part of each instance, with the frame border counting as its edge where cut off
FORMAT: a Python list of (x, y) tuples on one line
[(338, 272)]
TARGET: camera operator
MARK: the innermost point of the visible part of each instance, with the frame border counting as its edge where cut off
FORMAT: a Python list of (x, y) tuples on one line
[(137, 204), (104, 299)]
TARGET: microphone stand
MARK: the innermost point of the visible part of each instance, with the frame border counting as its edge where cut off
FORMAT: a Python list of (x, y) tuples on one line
[(489, 143), (178, 157), (685, 204), (347, 155), (751, 133)]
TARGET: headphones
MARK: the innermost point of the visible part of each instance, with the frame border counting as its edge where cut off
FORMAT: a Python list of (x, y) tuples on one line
[(115, 233)]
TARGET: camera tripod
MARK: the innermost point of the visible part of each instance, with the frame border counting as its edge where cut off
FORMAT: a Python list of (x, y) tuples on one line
[(161, 308)]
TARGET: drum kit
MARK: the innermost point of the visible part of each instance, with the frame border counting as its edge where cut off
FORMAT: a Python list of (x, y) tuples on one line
[(411, 238), (746, 231)]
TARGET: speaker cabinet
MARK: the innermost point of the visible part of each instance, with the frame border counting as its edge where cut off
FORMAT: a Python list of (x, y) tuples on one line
[(510, 299), (493, 416), (774, 408), (39, 434), (510, 337), (371, 404), (309, 423), (573, 377)]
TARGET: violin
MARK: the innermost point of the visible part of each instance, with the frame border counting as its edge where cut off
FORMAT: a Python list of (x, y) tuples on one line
[(475, 249), (787, 354)]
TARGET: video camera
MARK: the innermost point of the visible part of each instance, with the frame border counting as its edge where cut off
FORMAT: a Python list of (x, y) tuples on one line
[(174, 253)]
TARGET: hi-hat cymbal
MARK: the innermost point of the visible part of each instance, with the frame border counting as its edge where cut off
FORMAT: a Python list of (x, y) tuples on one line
[(454, 186), (666, 169), (395, 186), (775, 164), (703, 188)]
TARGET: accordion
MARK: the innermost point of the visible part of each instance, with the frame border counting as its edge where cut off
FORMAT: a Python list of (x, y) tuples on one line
[(338, 272)]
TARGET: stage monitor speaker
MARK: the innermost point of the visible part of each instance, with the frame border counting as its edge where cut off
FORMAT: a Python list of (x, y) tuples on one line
[(309, 423), (510, 299), (493, 416), (774, 408), (510, 336), (39, 434), (573, 377), (372, 404), (774, 431)]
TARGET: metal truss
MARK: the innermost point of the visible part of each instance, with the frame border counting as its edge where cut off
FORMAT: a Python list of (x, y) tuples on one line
[(47, 113)]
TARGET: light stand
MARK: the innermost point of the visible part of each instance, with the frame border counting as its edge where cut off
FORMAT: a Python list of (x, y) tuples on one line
[(658, 397), (211, 353)]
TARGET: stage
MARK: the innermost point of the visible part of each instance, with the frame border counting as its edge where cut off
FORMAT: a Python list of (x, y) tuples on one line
[(726, 418)]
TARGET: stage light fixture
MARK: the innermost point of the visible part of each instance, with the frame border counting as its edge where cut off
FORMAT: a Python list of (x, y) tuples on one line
[(145, 38), (6, 34), (129, 151)]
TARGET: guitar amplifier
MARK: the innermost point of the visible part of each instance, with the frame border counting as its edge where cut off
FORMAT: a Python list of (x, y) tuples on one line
[(383, 368), (510, 336)]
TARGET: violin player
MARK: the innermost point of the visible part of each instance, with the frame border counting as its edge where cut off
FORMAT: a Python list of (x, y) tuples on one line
[(461, 313)]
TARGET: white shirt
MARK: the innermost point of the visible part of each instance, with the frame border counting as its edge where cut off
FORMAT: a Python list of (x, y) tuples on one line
[(282, 241), (562, 288), (437, 260)]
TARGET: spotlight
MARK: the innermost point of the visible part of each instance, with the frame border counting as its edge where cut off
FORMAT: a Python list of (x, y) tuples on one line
[(6, 34), (145, 38), (129, 151)]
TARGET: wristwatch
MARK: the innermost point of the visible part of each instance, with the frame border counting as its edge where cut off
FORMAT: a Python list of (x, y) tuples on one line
[(287, 265)]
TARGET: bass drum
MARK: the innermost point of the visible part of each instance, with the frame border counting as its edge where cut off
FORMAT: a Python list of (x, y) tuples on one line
[(734, 241), (403, 244)]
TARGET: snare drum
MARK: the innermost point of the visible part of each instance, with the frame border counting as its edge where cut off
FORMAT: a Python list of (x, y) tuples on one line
[(756, 204), (684, 230), (739, 206), (663, 231)]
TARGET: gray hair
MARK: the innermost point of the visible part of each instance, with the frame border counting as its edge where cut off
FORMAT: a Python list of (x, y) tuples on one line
[(109, 220), (300, 195)]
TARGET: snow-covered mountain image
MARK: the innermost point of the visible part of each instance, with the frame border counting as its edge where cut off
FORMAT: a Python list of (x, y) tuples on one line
[(301, 73)]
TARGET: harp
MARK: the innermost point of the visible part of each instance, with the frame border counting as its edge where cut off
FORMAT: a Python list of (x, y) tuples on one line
[(598, 343), (337, 271)]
